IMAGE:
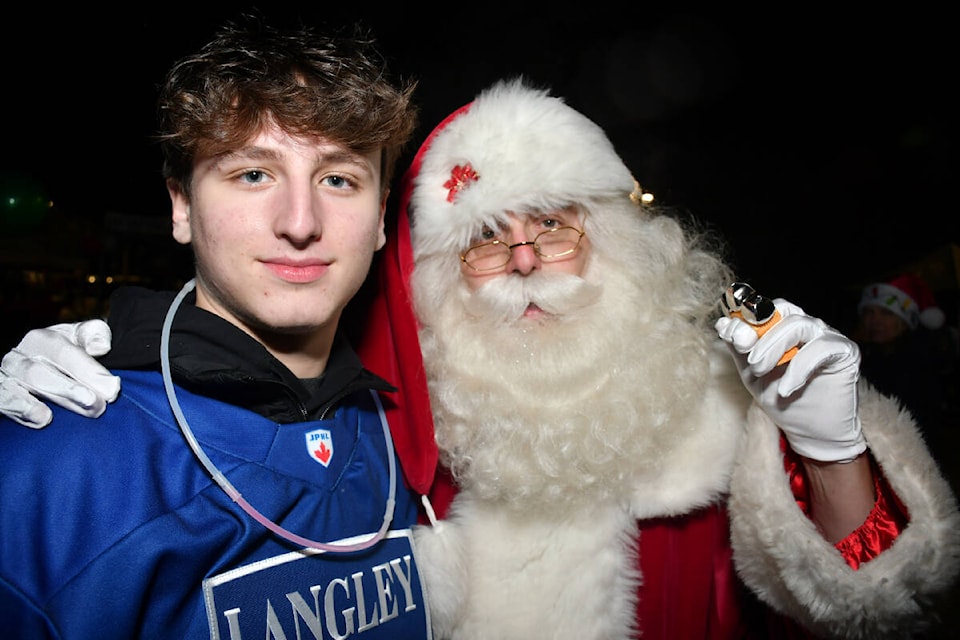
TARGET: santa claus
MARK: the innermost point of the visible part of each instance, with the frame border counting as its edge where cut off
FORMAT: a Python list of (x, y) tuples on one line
[(596, 432)]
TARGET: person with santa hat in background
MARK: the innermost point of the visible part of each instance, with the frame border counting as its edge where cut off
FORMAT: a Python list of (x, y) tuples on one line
[(907, 352)]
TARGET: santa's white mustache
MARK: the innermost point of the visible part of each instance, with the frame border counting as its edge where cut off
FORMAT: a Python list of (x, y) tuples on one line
[(506, 298)]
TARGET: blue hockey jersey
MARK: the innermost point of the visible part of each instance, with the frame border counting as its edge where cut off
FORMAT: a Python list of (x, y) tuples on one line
[(112, 528)]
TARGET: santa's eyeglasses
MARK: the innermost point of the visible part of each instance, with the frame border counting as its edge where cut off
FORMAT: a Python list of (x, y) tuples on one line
[(549, 245)]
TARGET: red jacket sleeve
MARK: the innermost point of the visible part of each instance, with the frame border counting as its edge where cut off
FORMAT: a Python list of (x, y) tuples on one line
[(877, 533)]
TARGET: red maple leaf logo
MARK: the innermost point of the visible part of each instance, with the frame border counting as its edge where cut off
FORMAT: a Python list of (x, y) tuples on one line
[(323, 453)]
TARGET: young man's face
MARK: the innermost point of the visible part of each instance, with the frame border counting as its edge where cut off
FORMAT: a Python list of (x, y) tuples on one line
[(283, 232)]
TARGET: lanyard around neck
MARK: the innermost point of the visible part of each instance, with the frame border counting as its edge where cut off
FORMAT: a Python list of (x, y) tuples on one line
[(229, 489)]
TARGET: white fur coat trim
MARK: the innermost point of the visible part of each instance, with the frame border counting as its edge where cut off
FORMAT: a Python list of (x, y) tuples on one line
[(780, 554), (501, 573)]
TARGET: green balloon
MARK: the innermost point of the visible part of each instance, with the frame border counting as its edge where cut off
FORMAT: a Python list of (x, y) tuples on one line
[(24, 202)]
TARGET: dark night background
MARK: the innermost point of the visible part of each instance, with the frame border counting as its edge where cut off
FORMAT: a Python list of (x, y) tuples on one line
[(819, 143)]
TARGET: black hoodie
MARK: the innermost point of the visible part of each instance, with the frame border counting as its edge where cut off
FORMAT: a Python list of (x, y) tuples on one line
[(212, 357)]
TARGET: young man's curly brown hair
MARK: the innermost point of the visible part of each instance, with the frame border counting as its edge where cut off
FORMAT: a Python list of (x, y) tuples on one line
[(332, 85)]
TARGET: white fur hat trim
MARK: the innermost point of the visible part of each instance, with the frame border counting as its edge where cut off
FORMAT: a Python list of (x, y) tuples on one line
[(516, 149)]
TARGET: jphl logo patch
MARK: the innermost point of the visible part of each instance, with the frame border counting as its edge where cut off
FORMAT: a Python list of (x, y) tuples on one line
[(320, 446)]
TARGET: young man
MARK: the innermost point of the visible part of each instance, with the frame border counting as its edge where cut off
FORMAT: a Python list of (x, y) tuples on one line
[(244, 484), (597, 434)]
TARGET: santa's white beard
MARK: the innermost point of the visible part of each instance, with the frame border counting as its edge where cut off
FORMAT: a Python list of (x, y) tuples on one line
[(575, 406)]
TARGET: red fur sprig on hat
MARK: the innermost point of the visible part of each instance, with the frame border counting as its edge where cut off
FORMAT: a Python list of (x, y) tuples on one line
[(460, 177)]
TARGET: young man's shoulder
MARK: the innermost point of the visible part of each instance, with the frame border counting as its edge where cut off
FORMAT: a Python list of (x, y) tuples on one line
[(74, 488), (72, 431), (75, 458)]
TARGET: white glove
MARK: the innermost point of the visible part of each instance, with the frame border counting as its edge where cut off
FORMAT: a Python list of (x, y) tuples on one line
[(812, 397), (57, 364)]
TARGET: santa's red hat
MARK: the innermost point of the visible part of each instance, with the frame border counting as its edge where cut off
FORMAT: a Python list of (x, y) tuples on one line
[(513, 148), (909, 297)]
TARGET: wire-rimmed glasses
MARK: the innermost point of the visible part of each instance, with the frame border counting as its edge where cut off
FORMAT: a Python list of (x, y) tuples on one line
[(549, 245)]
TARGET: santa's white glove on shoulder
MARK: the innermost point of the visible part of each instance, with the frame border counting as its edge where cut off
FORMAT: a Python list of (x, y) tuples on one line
[(813, 396), (57, 364)]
